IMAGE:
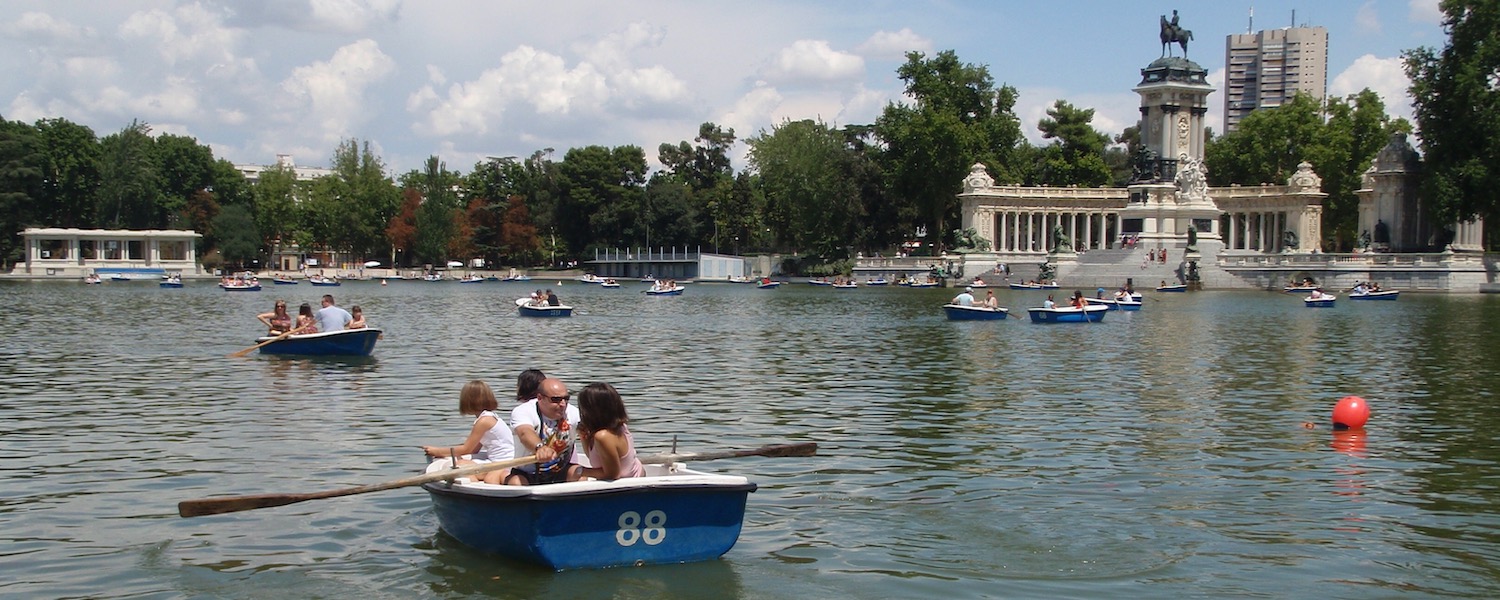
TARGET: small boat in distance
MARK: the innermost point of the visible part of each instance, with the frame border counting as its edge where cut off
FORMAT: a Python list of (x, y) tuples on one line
[(1115, 303), (668, 289), (1178, 287), (1375, 295), (284, 280), (957, 312), (171, 281), (349, 342), (671, 515), (92, 279), (240, 285), (471, 279), (768, 284), (1300, 289), (1319, 299), (323, 281), (609, 283), (877, 281)]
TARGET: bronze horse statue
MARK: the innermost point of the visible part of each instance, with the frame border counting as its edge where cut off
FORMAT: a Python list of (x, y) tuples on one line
[(1172, 32)]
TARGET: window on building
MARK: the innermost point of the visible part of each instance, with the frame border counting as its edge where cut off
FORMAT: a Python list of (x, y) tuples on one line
[(173, 250), (136, 249), (112, 249), (88, 249), (54, 249)]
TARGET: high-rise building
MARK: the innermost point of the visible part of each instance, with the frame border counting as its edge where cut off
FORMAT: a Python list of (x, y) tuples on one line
[(1266, 68)]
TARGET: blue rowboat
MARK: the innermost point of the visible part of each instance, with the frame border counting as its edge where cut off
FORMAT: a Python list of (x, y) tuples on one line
[(528, 310), (1068, 314), (171, 283), (672, 291), (254, 287), (1025, 286), (349, 342), (1319, 302), (846, 286), (1181, 287), (672, 515), (1300, 289), (957, 312), (769, 285), (327, 282), (1380, 295), (877, 281), (280, 281)]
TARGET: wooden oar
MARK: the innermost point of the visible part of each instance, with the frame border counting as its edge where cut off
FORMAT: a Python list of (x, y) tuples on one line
[(252, 348), (778, 450), (229, 504)]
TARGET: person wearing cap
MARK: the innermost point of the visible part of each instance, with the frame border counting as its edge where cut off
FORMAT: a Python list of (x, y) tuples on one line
[(964, 299)]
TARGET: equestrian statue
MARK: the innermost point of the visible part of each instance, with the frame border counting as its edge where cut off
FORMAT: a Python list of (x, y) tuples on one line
[(1172, 32)]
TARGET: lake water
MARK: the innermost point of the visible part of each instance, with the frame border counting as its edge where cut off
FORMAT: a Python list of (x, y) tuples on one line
[(1155, 454)]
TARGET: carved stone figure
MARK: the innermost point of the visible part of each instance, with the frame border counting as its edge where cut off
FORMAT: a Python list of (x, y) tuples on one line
[(1047, 272), (969, 240), (1192, 244), (1171, 33), (1060, 241), (1289, 239), (1146, 167), (1192, 271), (1364, 239)]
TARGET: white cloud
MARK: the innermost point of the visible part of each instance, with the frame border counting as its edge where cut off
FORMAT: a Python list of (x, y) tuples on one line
[(190, 33), (43, 28), (1425, 11), (526, 77), (1384, 76), (611, 53), (813, 61), (752, 112), (1366, 19), (332, 93), (351, 16), (894, 45)]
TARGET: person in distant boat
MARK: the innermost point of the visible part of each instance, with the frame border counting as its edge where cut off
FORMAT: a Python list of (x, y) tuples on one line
[(966, 298), (1318, 294), (1163, 283), (544, 426), (552, 299), (306, 322), (1359, 289), (357, 318), (489, 438), (1077, 300), (527, 384), (990, 301), (606, 436), (1050, 303), (277, 321), (331, 317)]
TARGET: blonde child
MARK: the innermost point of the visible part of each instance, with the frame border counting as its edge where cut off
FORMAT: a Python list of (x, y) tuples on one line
[(490, 438)]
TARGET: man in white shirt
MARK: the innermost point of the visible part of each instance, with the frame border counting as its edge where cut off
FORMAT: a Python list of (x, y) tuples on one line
[(332, 318)]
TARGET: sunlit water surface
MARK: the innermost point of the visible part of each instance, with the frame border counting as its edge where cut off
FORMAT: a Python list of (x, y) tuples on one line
[(1156, 454)]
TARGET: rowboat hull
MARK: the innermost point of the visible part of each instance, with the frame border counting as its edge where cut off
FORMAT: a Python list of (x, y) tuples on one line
[(1092, 313), (1382, 295), (325, 283), (545, 311), (170, 284), (241, 288), (672, 292), (284, 282), (769, 286), (349, 342), (957, 312), (1299, 289), (1322, 303), (1113, 304), (667, 517), (1172, 288)]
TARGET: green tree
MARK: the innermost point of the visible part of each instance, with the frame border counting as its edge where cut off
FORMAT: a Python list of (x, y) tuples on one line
[(73, 166), (1457, 96), (130, 190), (22, 172), (814, 202), (957, 119), (184, 168), (1077, 155), (603, 189), (238, 237), (435, 227), (277, 196), (1268, 144)]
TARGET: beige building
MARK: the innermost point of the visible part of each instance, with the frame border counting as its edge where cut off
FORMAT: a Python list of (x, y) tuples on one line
[(1267, 68)]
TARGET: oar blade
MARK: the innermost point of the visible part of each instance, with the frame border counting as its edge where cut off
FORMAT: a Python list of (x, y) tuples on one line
[(786, 450), (218, 506)]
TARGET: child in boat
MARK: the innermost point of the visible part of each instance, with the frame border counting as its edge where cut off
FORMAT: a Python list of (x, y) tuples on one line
[(527, 384), (489, 439), (358, 318), (606, 437), (306, 322)]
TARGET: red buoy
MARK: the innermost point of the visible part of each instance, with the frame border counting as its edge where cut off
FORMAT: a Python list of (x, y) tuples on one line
[(1351, 413)]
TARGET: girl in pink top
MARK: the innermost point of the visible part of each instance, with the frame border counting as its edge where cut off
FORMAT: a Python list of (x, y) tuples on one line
[(606, 438)]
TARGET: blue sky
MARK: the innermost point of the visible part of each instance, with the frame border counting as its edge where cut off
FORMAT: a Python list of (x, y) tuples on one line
[(466, 79)]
